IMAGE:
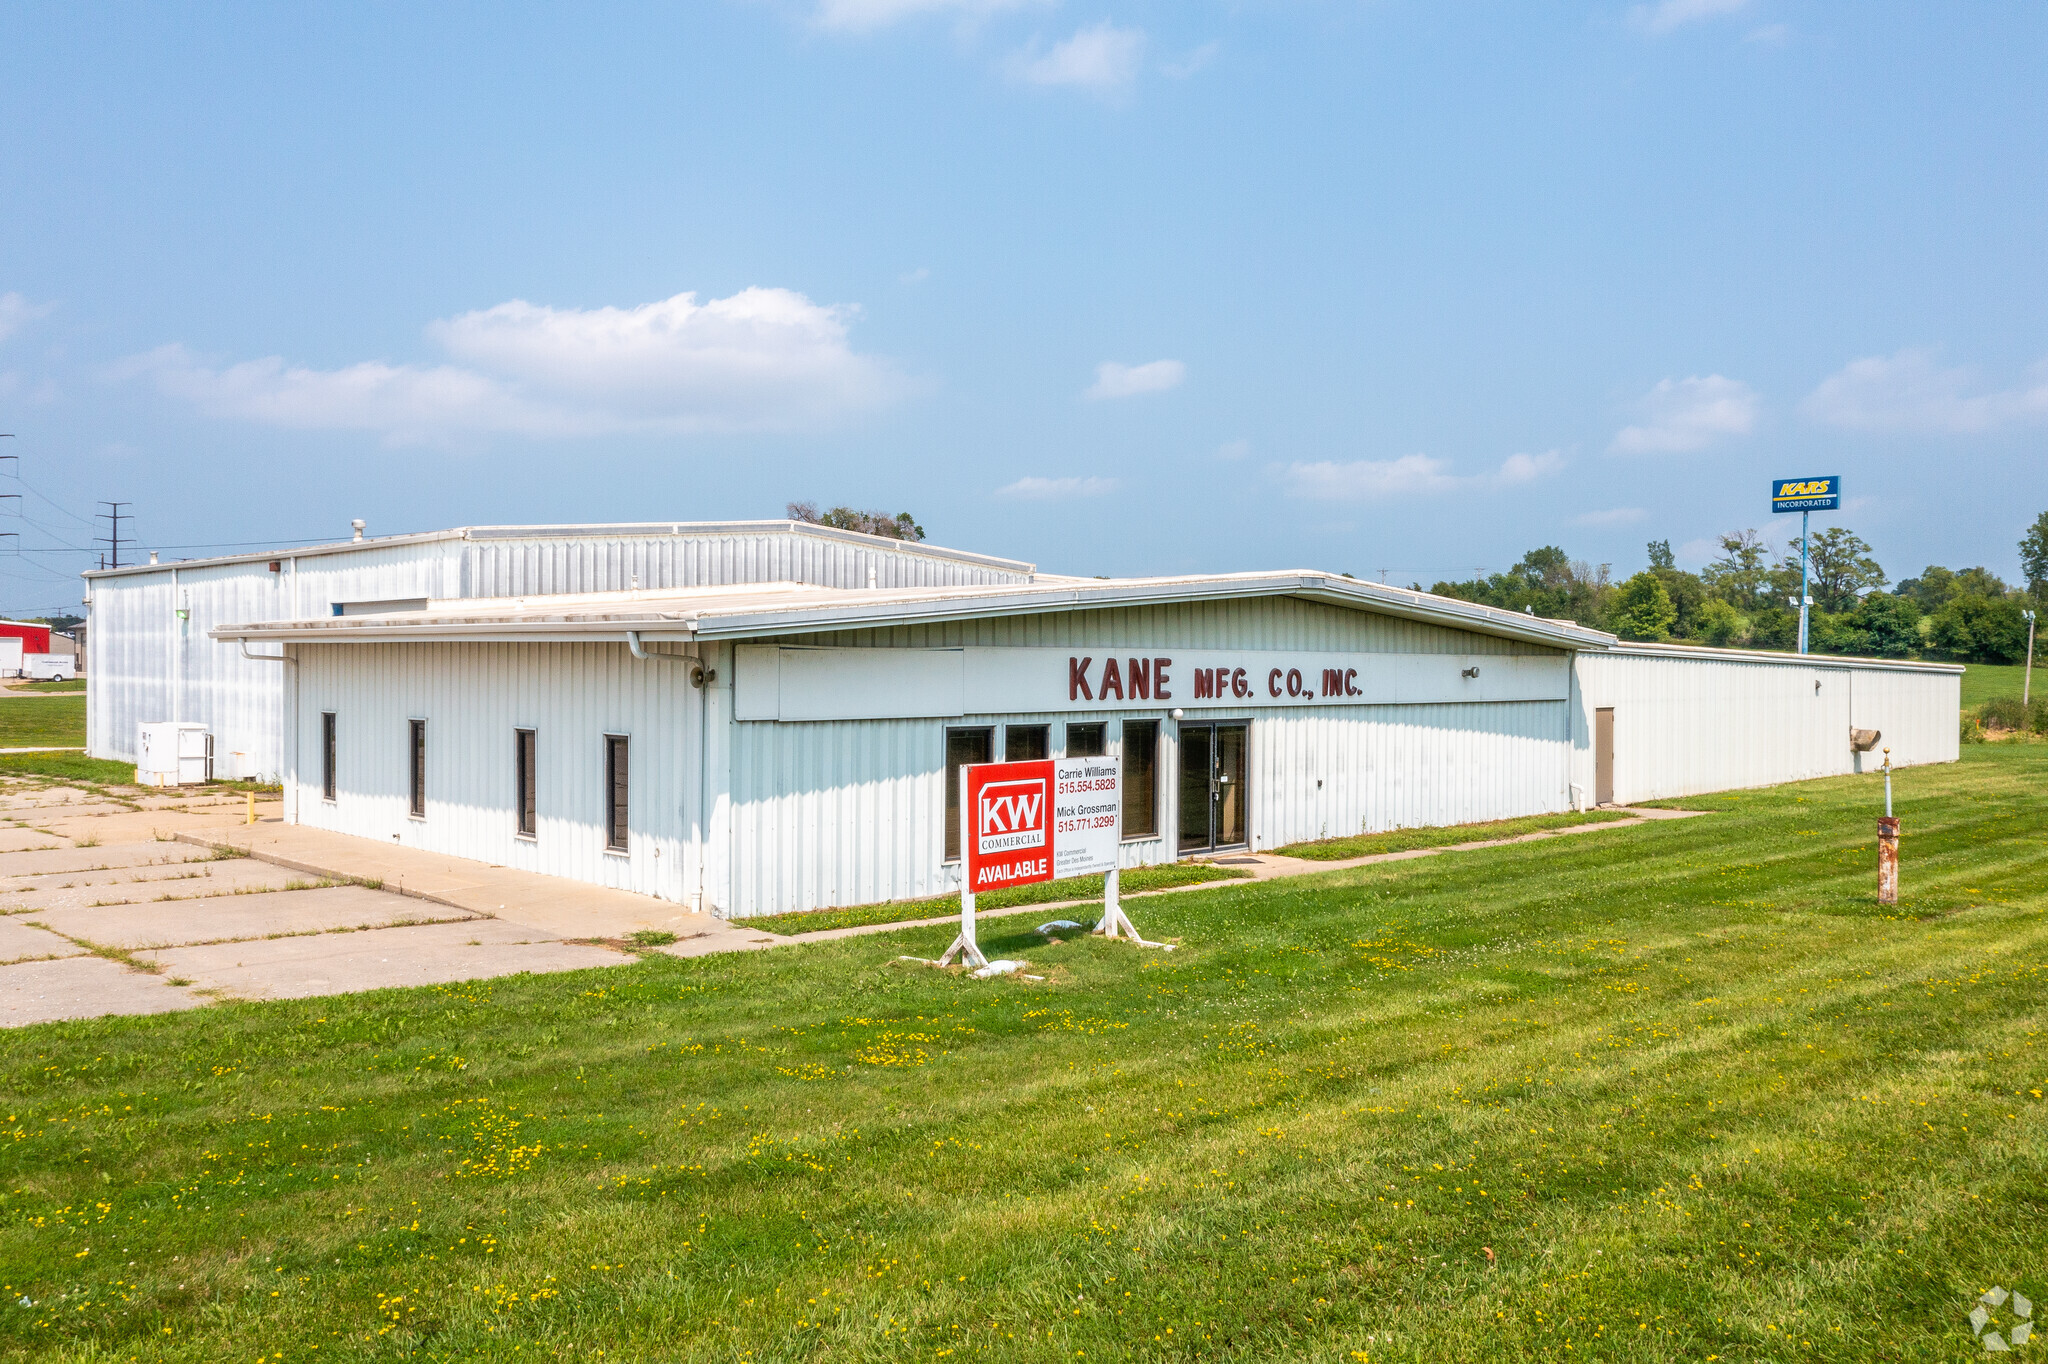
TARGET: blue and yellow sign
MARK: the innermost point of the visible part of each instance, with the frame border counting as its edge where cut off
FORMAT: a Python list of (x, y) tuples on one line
[(1806, 494)]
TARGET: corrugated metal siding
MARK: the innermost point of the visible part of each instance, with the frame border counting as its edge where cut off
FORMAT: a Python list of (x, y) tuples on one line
[(853, 812), (512, 568), (473, 696), (1683, 726), (1917, 713), (149, 665), (1323, 772), (1258, 623)]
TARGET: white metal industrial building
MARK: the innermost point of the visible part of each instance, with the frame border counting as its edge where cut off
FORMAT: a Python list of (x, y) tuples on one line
[(757, 717)]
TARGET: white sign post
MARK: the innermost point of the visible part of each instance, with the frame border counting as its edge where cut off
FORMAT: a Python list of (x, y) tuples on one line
[(1026, 822)]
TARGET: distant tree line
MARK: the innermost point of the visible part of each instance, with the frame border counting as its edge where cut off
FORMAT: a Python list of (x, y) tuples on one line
[(901, 526), (1746, 599)]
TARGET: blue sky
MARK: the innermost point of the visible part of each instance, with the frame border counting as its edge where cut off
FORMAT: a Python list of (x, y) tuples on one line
[(1116, 287)]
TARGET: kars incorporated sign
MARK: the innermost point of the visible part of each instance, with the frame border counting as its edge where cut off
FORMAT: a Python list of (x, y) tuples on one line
[(1806, 494), (1033, 821)]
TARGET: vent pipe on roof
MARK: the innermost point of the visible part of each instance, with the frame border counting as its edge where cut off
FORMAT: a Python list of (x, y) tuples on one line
[(152, 556), (357, 526)]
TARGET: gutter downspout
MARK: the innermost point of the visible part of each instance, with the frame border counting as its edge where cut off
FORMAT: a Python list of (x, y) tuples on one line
[(700, 679), (640, 651)]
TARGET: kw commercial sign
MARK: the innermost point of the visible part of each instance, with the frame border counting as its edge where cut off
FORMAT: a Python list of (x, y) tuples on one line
[(1036, 821), (1806, 494)]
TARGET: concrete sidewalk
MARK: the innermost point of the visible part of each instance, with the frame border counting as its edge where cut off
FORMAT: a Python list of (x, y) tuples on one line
[(1260, 867), (552, 905)]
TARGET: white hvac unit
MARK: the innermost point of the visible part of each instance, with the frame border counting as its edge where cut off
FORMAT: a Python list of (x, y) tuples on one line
[(175, 753)]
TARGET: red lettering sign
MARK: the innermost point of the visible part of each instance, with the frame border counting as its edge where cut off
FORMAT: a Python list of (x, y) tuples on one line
[(1077, 679)]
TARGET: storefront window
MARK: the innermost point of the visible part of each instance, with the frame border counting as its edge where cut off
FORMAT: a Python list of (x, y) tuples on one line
[(964, 748), (1141, 778)]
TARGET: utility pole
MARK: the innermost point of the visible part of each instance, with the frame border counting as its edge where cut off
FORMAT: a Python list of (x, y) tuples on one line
[(114, 516), (2027, 679)]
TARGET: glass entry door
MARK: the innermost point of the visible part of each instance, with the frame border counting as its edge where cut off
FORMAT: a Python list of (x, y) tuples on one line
[(1215, 794)]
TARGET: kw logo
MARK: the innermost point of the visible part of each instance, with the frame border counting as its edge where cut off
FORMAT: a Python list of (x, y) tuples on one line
[(1010, 815)]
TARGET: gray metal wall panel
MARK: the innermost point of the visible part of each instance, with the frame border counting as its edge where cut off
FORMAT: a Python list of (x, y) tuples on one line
[(1686, 725), (531, 567), (162, 667), (473, 696), (1259, 623)]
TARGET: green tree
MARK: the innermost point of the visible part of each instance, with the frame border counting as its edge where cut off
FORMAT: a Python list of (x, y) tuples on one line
[(1840, 569), (2034, 558), (901, 526), (1642, 609), (1980, 629), (1719, 624), (1890, 625), (1547, 582), (1660, 554), (1688, 594), (1742, 573), (1773, 627)]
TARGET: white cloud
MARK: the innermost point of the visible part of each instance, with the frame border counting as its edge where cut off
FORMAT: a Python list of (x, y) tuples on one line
[(1101, 57), (1372, 480), (866, 15), (1613, 516), (1689, 414), (1911, 392), (1197, 60), (17, 312), (760, 360), (1233, 449), (1528, 468), (1666, 15), (1042, 489), (917, 276), (1113, 380)]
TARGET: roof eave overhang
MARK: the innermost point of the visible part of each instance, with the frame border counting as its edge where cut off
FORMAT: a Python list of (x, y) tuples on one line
[(1708, 651)]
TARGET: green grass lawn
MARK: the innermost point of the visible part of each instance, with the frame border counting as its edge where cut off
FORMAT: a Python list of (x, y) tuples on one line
[(1442, 836), (1039, 893), (1676, 1091), (1982, 681), (68, 684), (55, 721)]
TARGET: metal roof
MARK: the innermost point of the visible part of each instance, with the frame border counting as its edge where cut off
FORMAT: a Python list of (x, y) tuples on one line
[(650, 529), (1770, 656), (768, 609)]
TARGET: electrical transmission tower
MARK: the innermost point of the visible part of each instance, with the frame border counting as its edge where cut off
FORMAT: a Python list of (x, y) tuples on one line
[(114, 516)]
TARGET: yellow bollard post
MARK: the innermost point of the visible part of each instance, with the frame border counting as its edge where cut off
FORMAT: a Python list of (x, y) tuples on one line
[(252, 807)]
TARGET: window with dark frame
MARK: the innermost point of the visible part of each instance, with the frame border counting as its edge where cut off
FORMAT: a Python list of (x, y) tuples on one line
[(1027, 743), (1087, 741), (526, 787), (327, 755), (964, 748), (616, 827), (418, 785), (1141, 778)]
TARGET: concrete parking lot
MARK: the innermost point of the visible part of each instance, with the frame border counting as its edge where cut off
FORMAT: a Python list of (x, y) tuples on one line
[(106, 907)]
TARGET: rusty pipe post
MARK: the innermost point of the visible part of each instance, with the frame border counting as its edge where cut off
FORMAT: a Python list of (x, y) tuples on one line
[(1888, 844)]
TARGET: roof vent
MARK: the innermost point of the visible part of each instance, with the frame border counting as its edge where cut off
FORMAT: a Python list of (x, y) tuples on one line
[(357, 526), (152, 556)]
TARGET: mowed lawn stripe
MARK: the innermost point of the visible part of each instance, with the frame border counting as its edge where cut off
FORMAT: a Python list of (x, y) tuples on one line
[(1695, 1092)]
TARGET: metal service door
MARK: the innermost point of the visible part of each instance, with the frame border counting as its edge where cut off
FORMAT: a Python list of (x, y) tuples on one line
[(1215, 786), (1603, 756)]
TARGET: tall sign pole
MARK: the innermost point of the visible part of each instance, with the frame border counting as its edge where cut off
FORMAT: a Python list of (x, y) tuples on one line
[(1805, 496)]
